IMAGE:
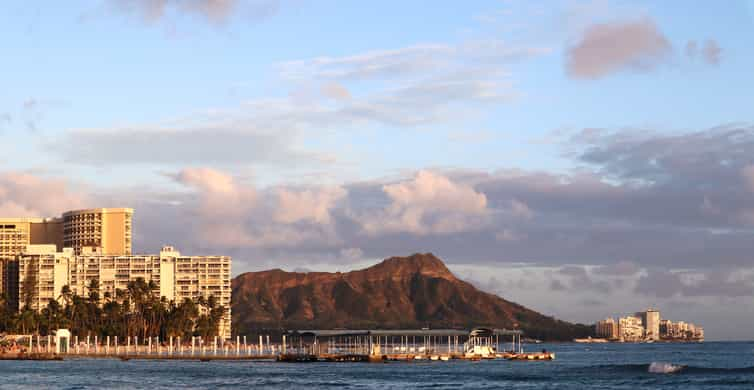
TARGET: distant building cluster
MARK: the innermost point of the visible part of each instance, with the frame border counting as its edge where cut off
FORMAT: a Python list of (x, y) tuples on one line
[(647, 326), (38, 256)]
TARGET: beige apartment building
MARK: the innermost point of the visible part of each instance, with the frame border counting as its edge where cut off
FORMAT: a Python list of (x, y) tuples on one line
[(43, 272), (651, 320), (607, 328), (630, 329), (108, 229), (15, 235)]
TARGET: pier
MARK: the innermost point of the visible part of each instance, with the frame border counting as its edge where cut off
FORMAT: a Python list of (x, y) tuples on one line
[(32, 347), (294, 346), (399, 345)]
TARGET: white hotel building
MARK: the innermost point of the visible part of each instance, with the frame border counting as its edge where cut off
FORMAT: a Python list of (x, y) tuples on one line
[(45, 270)]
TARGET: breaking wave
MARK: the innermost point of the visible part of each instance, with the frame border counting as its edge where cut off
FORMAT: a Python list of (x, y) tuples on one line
[(664, 368)]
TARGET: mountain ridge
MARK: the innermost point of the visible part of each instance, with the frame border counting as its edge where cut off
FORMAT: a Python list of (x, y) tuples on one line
[(400, 292)]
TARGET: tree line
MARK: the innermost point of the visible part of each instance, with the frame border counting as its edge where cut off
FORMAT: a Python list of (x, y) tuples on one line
[(135, 311)]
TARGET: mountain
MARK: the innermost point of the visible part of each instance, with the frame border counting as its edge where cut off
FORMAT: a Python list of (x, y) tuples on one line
[(400, 292)]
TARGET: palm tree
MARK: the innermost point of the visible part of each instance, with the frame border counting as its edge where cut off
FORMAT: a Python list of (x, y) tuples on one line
[(137, 310), (66, 294), (93, 291)]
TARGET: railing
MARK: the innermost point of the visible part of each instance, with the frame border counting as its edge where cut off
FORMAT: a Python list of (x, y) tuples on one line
[(153, 347)]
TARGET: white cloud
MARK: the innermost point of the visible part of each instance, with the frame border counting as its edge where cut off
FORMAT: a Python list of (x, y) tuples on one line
[(217, 12), (521, 209), (507, 235), (711, 52), (239, 215), (335, 90), (606, 48), (27, 195), (429, 203), (313, 205)]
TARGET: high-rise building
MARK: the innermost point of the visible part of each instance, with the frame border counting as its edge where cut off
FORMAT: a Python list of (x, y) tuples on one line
[(665, 328), (651, 320), (15, 235), (630, 329), (39, 256), (607, 328), (108, 229), (43, 272)]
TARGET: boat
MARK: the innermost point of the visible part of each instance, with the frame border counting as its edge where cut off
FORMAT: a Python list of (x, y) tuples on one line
[(480, 352), (445, 358), (590, 340), (532, 356)]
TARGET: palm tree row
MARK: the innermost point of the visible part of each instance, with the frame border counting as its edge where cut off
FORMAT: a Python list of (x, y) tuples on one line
[(135, 311)]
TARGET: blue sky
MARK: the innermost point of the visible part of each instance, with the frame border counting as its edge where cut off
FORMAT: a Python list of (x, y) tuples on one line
[(493, 133), (94, 65)]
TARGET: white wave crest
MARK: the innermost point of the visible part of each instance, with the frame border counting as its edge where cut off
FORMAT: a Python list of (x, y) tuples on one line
[(664, 368)]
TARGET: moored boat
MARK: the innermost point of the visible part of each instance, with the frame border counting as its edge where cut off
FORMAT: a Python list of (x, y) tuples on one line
[(532, 356)]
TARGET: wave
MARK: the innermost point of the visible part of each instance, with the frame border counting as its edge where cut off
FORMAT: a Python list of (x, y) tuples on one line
[(664, 368), (670, 368)]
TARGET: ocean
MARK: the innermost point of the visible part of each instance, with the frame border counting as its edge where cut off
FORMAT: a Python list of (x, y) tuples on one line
[(711, 365)]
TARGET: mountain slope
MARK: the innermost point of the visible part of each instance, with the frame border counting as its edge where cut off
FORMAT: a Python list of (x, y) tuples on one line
[(400, 292)]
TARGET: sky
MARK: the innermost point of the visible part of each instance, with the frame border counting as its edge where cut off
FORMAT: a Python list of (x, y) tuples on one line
[(583, 158)]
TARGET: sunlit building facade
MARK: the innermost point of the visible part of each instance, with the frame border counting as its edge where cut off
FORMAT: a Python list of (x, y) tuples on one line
[(104, 230), (608, 329), (44, 271), (630, 329), (648, 326), (15, 235), (651, 320), (108, 229)]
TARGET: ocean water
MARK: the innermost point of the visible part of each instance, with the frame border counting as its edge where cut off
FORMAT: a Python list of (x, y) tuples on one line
[(709, 365)]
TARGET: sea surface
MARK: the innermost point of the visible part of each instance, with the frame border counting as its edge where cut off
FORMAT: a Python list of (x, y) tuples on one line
[(711, 365)]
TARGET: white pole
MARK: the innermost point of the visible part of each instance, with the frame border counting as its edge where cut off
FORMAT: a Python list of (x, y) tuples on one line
[(261, 346), (214, 346)]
